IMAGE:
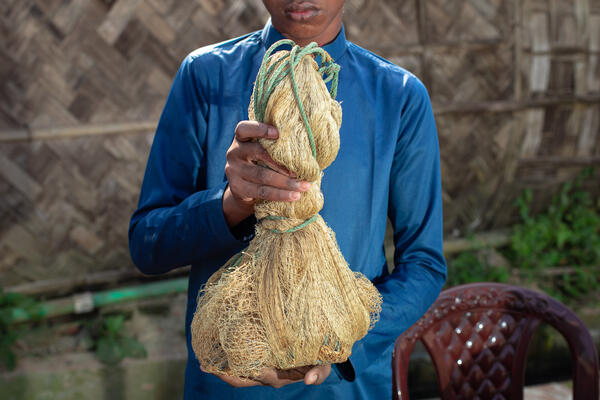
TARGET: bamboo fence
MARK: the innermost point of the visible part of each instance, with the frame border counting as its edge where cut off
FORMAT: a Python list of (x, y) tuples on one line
[(515, 86)]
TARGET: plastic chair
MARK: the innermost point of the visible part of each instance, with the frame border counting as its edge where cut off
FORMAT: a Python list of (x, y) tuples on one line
[(477, 336)]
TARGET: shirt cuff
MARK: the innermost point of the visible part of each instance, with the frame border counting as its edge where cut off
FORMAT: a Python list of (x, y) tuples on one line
[(225, 240), (345, 370), (244, 231)]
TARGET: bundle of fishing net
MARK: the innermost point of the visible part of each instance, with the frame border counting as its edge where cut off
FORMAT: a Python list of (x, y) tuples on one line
[(289, 299)]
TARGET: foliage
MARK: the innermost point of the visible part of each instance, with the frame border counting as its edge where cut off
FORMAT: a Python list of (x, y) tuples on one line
[(557, 250), (566, 234), (111, 344), (467, 267), (8, 332)]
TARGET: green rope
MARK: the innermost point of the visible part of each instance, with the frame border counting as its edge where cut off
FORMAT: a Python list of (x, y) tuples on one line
[(235, 261), (269, 77), (293, 229)]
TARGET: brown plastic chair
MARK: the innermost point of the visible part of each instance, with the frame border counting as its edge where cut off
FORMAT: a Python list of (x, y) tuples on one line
[(477, 336)]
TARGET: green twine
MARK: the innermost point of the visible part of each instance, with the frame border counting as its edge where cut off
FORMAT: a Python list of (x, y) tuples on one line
[(293, 229), (235, 261), (269, 77)]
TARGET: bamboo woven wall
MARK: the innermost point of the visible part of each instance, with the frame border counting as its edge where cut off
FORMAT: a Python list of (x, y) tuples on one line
[(515, 86)]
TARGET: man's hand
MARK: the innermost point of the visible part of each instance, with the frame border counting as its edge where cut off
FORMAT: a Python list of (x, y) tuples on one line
[(250, 181), (279, 378)]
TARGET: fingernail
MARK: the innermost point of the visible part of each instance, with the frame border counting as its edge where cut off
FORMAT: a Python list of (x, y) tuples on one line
[(313, 379), (272, 132), (304, 186), (295, 196)]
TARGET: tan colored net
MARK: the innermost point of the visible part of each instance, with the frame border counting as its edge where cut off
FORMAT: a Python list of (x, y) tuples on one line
[(289, 299)]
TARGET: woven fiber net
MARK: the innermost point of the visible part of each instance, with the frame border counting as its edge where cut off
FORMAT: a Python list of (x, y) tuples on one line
[(289, 299)]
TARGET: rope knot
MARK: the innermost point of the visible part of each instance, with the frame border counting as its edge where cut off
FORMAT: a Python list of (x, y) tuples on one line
[(280, 224)]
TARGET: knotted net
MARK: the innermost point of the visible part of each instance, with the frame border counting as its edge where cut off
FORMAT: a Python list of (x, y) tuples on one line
[(289, 299)]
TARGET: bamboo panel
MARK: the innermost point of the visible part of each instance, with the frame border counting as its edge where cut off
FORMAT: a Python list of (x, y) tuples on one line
[(461, 76), (515, 87), (382, 24), (475, 147), (78, 61), (67, 205), (468, 20)]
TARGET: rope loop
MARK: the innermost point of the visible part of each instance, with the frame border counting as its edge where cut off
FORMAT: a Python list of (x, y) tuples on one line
[(270, 76), (292, 229)]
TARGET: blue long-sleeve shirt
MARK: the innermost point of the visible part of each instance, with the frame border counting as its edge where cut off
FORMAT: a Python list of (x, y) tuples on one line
[(387, 167)]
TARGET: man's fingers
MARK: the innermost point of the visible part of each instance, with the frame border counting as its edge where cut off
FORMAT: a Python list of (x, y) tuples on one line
[(254, 153), (265, 176), (235, 381), (248, 130), (251, 181), (295, 374), (238, 382), (317, 375), (249, 190), (279, 378)]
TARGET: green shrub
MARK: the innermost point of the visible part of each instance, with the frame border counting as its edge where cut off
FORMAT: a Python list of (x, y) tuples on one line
[(111, 345), (467, 267), (566, 234)]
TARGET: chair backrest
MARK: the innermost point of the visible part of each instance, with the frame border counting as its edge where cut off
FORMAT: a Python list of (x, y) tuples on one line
[(477, 336)]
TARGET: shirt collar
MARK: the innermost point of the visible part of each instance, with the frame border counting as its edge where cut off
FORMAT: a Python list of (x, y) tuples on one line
[(336, 48)]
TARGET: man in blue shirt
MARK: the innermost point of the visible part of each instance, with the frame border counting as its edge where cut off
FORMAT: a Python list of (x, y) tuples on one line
[(202, 179)]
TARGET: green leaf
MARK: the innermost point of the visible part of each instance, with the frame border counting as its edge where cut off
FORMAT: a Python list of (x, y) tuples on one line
[(114, 324), (109, 351)]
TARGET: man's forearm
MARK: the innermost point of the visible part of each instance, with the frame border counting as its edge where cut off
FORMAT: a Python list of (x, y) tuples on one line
[(168, 237)]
